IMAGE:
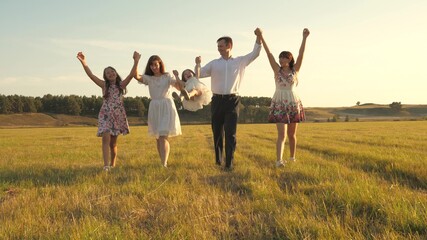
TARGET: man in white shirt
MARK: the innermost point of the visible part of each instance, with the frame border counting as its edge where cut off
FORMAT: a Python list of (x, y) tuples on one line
[(226, 75)]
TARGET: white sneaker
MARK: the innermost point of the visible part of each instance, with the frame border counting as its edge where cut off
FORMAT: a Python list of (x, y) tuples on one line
[(292, 159), (107, 168), (165, 165), (280, 163)]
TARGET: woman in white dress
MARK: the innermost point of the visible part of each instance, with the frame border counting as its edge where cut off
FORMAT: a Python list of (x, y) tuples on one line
[(195, 94), (286, 109), (163, 119)]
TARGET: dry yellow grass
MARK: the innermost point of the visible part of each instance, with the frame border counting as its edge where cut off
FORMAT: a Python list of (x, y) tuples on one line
[(351, 181)]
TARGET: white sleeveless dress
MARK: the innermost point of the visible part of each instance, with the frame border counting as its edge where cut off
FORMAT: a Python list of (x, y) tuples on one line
[(198, 101)]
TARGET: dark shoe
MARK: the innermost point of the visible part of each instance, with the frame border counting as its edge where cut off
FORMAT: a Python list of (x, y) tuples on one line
[(228, 169), (176, 97), (185, 94), (218, 163)]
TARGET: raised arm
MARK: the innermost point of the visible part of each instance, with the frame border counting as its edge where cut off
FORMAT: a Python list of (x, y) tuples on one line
[(197, 67), (274, 65), (204, 71), (258, 33), (89, 73), (137, 76), (250, 57), (176, 74), (179, 84), (305, 34), (133, 71), (198, 61)]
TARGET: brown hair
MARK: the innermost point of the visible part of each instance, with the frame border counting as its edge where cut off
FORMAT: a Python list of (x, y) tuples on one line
[(182, 75), (288, 55), (227, 40), (150, 61), (118, 81)]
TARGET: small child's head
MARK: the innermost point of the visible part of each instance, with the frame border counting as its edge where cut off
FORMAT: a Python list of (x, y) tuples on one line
[(110, 74), (187, 74), (154, 66)]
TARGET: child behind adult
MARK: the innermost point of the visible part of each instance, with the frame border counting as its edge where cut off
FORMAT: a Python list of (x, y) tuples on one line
[(163, 119), (112, 120), (195, 94)]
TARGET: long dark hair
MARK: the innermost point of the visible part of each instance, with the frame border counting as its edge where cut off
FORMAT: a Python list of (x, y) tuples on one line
[(182, 75), (118, 81), (288, 55), (150, 61)]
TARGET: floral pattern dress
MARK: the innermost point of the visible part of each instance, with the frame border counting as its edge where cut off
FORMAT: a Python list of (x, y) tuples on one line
[(112, 116), (286, 106)]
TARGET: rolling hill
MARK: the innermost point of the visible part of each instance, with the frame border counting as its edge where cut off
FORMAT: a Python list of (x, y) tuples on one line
[(365, 112)]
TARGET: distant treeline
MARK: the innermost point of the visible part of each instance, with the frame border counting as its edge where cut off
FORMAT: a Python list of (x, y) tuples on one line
[(252, 109)]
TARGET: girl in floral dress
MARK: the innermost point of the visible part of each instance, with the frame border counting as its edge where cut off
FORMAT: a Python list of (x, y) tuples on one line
[(195, 94), (286, 109), (163, 119), (112, 119)]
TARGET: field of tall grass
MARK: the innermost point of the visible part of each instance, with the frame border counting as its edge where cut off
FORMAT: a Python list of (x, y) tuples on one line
[(359, 180)]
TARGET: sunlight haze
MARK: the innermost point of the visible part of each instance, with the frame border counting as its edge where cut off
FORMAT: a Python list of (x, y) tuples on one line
[(367, 51)]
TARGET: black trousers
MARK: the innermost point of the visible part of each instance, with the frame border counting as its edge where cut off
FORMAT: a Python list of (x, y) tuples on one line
[(225, 112)]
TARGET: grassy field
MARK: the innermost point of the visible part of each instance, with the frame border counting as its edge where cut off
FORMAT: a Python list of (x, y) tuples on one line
[(365, 180)]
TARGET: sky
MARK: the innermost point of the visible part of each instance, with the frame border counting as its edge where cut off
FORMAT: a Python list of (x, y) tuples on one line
[(367, 51)]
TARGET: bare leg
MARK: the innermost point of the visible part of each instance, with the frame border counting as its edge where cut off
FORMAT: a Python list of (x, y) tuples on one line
[(281, 138), (113, 150), (163, 148), (292, 135), (194, 93), (185, 94), (106, 148), (158, 147)]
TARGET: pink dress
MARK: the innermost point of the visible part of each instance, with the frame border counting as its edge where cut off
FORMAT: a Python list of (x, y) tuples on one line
[(286, 106), (112, 116)]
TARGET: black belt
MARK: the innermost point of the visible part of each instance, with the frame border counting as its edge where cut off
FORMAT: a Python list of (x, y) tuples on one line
[(224, 95)]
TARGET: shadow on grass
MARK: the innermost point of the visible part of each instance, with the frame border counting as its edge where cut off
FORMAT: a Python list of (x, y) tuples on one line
[(266, 137), (45, 175), (289, 181), (373, 219), (123, 174), (383, 168), (36, 176), (231, 182)]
